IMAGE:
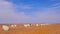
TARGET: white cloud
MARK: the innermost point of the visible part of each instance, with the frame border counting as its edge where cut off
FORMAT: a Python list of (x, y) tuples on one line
[(8, 15), (48, 15)]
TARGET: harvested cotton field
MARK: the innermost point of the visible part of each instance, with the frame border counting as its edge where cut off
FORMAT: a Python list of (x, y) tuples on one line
[(30, 29)]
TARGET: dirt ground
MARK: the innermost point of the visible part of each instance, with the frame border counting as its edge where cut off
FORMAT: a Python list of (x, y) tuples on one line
[(41, 29)]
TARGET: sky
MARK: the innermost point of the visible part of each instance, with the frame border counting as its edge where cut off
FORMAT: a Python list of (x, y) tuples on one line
[(29, 11)]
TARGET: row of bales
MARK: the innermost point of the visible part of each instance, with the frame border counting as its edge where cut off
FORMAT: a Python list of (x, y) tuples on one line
[(6, 27)]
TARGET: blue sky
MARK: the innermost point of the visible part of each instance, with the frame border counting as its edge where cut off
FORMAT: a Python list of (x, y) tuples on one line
[(33, 5), (29, 11)]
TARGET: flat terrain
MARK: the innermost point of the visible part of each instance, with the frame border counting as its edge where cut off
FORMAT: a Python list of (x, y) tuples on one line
[(41, 29)]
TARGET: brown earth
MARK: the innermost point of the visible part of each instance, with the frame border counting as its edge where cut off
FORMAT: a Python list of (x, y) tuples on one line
[(44, 29)]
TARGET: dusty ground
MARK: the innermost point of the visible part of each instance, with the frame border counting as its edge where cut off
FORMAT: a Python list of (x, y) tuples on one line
[(44, 29)]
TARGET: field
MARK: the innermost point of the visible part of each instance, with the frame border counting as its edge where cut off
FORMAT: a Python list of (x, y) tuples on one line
[(41, 29)]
